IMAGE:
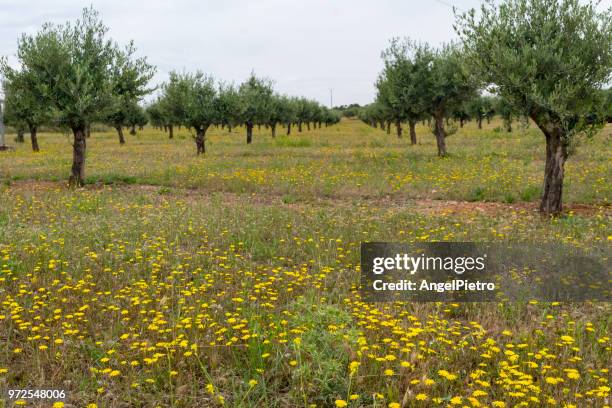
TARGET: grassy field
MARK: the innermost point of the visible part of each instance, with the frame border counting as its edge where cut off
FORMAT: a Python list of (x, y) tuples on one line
[(173, 280)]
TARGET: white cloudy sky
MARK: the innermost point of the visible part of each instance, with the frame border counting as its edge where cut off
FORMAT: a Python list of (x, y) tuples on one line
[(305, 46)]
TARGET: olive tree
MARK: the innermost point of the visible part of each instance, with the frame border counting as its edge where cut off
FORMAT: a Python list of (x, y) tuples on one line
[(480, 108), (398, 88), (289, 110), (229, 106), (154, 113), (129, 78), (72, 67), (548, 58), (171, 103), (442, 82), (506, 111), (136, 117), (22, 107), (256, 98)]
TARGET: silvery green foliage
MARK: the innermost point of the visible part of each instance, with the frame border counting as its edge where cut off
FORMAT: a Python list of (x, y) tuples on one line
[(397, 85), (547, 58), (70, 68), (256, 96)]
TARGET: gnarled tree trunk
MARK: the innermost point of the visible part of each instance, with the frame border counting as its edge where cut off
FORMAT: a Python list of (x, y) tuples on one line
[(398, 127), (133, 130), (34, 138), (308, 125), (120, 133), (412, 125), (20, 138), (479, 123), (388, 127), (300, 127), (440, 134), (200, 139), (288, 129), (78, 157), (171, 131), (556, 155), (88, 131), (273, 128)]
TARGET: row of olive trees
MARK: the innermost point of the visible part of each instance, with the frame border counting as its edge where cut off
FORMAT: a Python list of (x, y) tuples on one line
[(197, 101), (548, 60), (72, 75), (477, 108)]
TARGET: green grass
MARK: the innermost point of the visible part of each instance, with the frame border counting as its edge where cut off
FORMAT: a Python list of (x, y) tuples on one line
[(168, 274)]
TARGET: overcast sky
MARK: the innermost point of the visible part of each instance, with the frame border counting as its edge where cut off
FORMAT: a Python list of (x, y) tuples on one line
[(306, 46)]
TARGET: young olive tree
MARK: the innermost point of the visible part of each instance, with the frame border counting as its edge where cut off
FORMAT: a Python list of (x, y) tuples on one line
[(72, 67), (193, 102), (506, 111), (22, 107), (154, 114), (199, 104), (256, 98), (129, 78), (397, 86), (480, 108), (548, 58), (288, 114), (136, 117), (229, 106), (171, 103), (442, 83)]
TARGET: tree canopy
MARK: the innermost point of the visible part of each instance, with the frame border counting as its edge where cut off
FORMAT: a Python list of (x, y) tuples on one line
[(548, 59)]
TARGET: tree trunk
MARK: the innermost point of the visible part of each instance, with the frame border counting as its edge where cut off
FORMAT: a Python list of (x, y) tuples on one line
[(509, 126), (249, 130), (461, 121), (78, 157), (319, 124), (288, 129), (200, 139), (398, 127), (120, 133), (300, 127), (412, 125), (229, 128), (273, 128), (20, 138), (133, 130), (440, 134), (88, 131), (556, 155), (388, 127), (171, 131), (34, 138), (479, 123), (308, 125)]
